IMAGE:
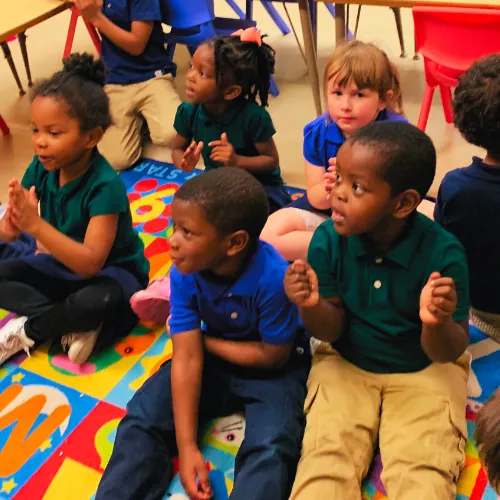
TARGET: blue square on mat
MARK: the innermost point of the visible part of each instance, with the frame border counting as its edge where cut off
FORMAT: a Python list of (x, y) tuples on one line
[(36, 416)]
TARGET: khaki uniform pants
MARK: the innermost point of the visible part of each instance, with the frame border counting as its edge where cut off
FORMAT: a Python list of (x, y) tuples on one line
[(417, 418), (155, 101)]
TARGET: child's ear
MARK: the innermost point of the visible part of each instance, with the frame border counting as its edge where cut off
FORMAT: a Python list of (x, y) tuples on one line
[(237, 242), (384, 100), (94, 136), (232, 92), (406, 203)]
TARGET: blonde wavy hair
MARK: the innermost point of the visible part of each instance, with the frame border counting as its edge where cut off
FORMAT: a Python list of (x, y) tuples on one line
[(369, 68)]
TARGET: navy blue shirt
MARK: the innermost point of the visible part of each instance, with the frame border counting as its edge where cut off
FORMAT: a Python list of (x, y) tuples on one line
[(254, 307), (468, 205), (124, 68), (322, 140)]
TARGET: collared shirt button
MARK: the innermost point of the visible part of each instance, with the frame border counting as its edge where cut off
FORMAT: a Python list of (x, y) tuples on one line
[(377, 284), (378, 260), (234, 315)]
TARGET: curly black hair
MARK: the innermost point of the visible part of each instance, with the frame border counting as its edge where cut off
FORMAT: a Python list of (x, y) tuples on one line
[(245, 64), (477, 105), (81, 85), (243, 204), (407, 155)]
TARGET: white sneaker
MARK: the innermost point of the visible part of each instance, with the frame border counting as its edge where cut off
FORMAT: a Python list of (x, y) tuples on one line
[(13, 339), (80, 345)]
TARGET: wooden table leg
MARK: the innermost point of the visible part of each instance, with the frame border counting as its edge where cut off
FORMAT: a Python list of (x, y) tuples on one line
[(8, 56), (310, 50), (24, 52), (340, 29)]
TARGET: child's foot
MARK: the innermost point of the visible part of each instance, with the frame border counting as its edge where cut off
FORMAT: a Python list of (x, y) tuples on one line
[(13, 339), (80, 345), (153, 304)]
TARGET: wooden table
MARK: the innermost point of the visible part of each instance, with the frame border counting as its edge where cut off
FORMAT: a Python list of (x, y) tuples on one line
[(16, 16), (340, 26)]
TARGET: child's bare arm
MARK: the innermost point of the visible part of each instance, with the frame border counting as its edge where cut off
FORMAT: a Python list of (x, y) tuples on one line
[(316, 192)]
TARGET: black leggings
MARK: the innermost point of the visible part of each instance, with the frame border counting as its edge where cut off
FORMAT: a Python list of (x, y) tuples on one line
[(56, 307)]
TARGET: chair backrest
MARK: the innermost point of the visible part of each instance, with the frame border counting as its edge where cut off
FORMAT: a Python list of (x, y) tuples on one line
[(186, 13), (456, 37)]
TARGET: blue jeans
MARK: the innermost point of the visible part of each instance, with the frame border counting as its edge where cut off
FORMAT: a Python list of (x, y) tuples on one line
[(140, 467)]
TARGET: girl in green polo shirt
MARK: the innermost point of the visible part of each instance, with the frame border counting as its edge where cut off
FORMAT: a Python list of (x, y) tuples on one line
[(69, 257)]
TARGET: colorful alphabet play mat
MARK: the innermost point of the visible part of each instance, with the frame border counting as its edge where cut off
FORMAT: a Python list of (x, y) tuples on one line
[(58, 421)]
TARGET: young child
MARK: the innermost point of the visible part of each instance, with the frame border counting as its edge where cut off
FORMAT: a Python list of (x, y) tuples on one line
[(468, 201), (487, 438), (140, 75), (70, 271), (222, 121), (388, 288), (251, 354), (361, 85)]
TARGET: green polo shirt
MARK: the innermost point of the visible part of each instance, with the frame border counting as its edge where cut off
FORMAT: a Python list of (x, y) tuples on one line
[(381, 292), (99, 191), (245, 123)]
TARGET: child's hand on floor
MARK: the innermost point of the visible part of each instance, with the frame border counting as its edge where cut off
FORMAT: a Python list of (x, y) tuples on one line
[(301, 284), (330, 176), (191, 156), (223, 151), (438, 300), (193, 474), (23, 207)]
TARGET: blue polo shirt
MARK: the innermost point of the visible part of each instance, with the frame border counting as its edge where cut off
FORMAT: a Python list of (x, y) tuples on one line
[(124, 68), (252, 307), (468, 206), (322, 140)]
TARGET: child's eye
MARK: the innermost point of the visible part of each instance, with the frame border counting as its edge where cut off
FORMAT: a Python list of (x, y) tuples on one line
[(337, 93), (55, 134), (360, 94), (34, 130), (187, 232), (338, 178), (357, 189)]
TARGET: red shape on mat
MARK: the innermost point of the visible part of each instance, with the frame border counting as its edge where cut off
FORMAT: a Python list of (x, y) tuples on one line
[(158, 246), (79, 446), (133, 197), (155, 226), (145, 185), (480, 486)]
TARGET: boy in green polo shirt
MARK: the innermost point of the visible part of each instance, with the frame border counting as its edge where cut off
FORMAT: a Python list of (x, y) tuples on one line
[(388, 288)]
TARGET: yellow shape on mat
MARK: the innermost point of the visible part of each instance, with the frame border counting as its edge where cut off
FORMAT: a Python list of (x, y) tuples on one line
[(8, 486), (91, 380), (73, 481)]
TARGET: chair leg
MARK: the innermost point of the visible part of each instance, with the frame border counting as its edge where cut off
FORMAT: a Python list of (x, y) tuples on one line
[(236, 8), (416, 56), (275, 16), (446, 99), (425, 108), (4, 127), (358, 15), (24, 52), (8, 55), (71, 32), (399, 26)]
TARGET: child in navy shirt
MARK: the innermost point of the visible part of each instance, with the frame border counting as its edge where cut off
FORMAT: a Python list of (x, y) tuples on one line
[(468, 201), (222, 121), (140, 76), (249, 355), (361, 86)]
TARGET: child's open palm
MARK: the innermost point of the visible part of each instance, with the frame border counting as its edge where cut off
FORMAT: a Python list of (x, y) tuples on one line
[(23, 207), (438, 300), (191, 156), (301, 284)]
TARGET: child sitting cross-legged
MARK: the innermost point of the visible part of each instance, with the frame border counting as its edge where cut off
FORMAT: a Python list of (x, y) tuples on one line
[(388, 288), (250, 355)]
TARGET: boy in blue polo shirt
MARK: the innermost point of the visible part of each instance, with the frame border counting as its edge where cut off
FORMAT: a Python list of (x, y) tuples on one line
[(388, 288), (468, 201), (139, 76), (251, 354)]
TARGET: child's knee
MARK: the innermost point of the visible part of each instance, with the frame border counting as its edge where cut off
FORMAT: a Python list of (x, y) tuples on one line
[(121, 158)]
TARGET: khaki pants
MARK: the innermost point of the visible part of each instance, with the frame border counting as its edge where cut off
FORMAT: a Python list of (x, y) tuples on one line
[(417, 418), (155, 101)]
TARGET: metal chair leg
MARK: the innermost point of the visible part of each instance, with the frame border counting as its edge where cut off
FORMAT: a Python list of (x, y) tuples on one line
[(416, 56), (358, 15), (24, 52), (399, 26), (8, 56)]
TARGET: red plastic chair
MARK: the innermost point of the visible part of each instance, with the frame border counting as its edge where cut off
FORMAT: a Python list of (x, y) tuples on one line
[(3, 126), (450, 40), (94, 35)]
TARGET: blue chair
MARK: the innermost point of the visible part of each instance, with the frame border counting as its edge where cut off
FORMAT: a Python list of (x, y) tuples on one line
[(194, 22)]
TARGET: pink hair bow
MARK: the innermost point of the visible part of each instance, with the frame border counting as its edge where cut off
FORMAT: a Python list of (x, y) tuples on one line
[(249, 35)]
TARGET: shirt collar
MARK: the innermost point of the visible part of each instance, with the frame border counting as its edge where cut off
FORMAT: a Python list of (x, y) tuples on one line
[(228, 116), (403, 252), (53, 179)]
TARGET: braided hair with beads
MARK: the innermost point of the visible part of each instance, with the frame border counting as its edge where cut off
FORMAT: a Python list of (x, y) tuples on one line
[(247, 64)]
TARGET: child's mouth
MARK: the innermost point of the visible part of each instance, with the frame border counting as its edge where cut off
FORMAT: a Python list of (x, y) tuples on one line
[(337, 216)]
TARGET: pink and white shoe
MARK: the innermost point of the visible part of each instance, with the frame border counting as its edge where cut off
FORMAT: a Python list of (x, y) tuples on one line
[(153, 304)]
